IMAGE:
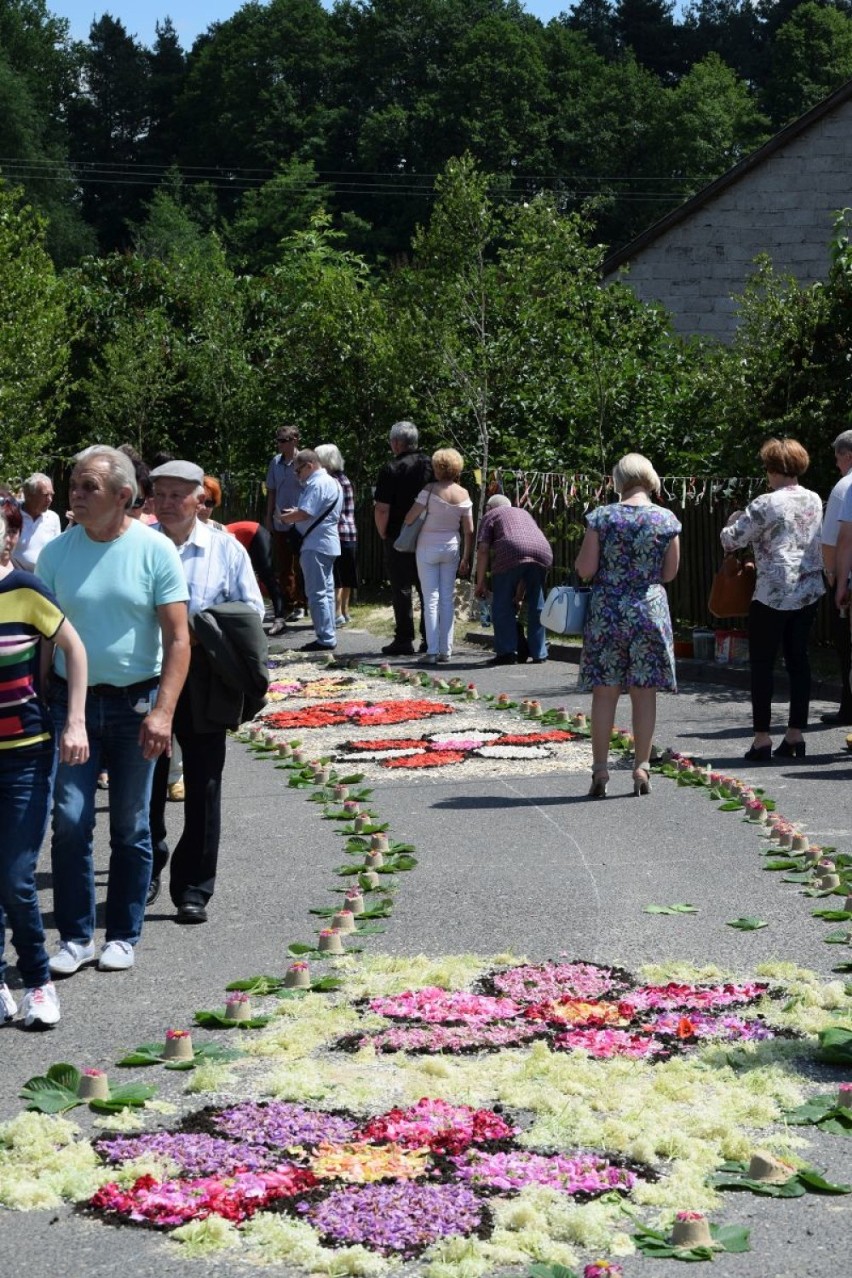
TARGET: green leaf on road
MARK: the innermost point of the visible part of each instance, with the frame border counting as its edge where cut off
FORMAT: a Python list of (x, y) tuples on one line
[(132, 1095), (823, 1112), (747, 924), (835, 1045), (670, 909), (53, 1092)]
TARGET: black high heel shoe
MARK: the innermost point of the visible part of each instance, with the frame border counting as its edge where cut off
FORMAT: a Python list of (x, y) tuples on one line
[(790, 750), (759, 754)]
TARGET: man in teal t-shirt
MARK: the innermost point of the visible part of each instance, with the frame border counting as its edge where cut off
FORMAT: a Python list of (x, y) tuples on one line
[(122, 587)]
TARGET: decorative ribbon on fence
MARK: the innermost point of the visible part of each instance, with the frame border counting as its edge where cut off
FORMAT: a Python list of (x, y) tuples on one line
[(549, 492)]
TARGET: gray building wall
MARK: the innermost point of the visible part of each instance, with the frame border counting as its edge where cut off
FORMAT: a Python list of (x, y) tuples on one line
[(784, 206)]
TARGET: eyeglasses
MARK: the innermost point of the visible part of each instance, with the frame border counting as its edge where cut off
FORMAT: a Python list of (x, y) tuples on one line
[(286, 439), (301, 466), (209, 503)]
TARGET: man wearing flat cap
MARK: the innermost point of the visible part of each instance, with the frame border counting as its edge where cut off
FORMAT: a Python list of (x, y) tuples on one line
[(122, 588), (218, 572)]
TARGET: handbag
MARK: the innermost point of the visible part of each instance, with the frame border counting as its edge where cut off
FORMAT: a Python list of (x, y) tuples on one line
[(565, 609), (406, 542), (732, 588), (294, 539)]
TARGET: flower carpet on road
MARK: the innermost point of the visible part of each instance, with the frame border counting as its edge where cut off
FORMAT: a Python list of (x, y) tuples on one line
[(478, 737), (355, 1162), (468, 1113)]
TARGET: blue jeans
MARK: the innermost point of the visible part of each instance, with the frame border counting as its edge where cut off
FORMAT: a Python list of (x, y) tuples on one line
[(112, 723), (25, 778), (318, 572), (503, 586)]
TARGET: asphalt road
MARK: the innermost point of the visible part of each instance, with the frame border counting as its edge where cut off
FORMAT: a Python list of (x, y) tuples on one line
[(522, 863)]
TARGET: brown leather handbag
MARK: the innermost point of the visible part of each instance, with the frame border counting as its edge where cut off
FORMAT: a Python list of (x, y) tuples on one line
[(733, 587)]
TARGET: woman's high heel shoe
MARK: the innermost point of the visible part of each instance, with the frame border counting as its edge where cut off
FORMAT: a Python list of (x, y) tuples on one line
[(642, 778), (790, 750), (600, 781), (759, 754)]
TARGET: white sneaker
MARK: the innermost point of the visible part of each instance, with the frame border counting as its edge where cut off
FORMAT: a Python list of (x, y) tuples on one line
[(8, 1006), (70, 957), (40, 1007), (116, 956)]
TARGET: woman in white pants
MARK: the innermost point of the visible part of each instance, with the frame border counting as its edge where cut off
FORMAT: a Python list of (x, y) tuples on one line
[(449, 518)]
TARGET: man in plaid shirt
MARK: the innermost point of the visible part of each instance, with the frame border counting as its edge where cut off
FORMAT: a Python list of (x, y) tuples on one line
[(520, 556)]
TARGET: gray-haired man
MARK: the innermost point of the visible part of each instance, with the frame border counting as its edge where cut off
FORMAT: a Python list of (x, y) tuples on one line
[(397, 486)]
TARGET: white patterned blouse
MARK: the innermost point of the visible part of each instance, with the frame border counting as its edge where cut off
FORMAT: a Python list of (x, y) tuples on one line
[(783, 528)]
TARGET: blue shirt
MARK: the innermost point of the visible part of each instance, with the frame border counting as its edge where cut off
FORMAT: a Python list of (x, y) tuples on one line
[(110, 592), (320, 492), (217, 569), (282, 480)]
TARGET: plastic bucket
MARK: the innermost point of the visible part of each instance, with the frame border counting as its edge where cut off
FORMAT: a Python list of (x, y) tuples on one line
[(731, 647), (704, 644)]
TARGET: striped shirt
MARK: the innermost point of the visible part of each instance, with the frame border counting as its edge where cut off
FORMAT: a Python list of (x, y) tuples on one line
[(28, 613)]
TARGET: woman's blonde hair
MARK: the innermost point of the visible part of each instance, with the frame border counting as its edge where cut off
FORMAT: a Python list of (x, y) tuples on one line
[(447, 463), (785, 457), (634, 471)]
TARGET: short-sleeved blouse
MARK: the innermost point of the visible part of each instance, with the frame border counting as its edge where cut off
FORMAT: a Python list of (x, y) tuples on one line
[(633, 545), (783, 529), (443, 519)]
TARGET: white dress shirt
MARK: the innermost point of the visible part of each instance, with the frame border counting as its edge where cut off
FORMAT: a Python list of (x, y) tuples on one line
[(218, 570), (35, 534)]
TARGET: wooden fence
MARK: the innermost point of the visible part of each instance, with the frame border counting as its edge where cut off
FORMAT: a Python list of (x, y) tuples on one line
[(559, 503)]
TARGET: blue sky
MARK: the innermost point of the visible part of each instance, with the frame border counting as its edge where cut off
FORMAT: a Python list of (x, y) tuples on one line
[(191, 17)]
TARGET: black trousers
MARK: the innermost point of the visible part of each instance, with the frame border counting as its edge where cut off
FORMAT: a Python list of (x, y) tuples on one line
[(402, 574), (194, 860), (769, 629), (260, 554)]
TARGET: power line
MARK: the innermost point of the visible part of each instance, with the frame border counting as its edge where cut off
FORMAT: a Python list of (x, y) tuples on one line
[(236, 173)]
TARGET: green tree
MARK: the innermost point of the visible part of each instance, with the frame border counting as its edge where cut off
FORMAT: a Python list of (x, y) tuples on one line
[(711, 121), (789, 369), (496, 101), (322, 348), (259, 90), (648, 29), (161, 357), (522, 356), (107, 118), (274, 211), (595, 19), (810, 56), (167, 65), (179, 222), (729, 28), (33, 340), (37, 68)]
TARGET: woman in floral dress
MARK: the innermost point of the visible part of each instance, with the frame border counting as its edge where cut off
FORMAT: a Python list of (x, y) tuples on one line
[(783, 528), (629, 550)]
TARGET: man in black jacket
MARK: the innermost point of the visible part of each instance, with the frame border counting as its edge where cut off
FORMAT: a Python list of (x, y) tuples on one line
[(397, 486)]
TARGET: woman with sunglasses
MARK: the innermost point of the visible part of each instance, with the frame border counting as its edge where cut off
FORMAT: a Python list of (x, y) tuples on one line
[(212, 499)]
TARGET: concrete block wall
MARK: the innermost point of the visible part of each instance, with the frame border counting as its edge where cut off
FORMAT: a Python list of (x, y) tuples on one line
[(784, 206)]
